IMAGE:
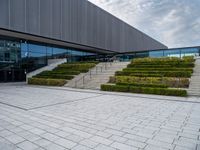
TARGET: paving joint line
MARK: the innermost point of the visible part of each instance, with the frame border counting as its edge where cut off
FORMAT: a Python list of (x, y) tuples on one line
[(65, 102), (117, 94)]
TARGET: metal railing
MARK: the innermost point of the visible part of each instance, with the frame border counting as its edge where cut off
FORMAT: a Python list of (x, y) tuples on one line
[(91, 73)]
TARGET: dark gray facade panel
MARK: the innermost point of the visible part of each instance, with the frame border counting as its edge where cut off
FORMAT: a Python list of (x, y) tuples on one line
[(4, 13), (76, 21), (32, 16), (17, 15), (56, 19), (46, 18)]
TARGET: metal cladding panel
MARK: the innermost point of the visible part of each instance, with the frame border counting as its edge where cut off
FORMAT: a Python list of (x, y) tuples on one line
[(82, 33), (17, 15), (4, 13), (56, 18), (46, 18), (76, 21), (90, 24), (33, 16), (65, 16)]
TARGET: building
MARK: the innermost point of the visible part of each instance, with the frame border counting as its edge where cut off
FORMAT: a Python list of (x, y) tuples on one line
[(33, 31)]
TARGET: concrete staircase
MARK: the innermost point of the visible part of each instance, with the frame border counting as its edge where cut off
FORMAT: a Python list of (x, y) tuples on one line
[(52, 63), (97, 76), (194, 88)]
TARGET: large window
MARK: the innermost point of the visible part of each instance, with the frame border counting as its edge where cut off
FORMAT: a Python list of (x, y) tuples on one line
[(190, 52), (159, 53), (9, 52)]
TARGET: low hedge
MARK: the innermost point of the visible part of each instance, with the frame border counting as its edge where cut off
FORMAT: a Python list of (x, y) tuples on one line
[(47, 82), (62, 72), (81, 66), (166, 60), (144, 90), (169, 81), (55, 76), (144, 85), (159, 91), (158, 69), (188, 58), (155, 73), (148, 65), (114, 88)]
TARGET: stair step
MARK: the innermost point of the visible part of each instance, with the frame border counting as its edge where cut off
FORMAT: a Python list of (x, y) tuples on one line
[(100, 78)]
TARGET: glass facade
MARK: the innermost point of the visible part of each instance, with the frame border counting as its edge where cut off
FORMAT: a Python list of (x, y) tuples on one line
[(19, 58), (177, 52)]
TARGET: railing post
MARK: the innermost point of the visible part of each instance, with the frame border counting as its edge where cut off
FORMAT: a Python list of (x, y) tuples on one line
[(96, 69), (101, 68), (90, 74), (83, 79)]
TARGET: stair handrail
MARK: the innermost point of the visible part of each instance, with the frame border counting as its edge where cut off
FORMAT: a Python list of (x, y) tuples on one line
[(90, 73)]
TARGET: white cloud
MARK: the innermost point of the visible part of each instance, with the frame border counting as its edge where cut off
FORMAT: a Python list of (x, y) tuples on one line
[(173, 22)]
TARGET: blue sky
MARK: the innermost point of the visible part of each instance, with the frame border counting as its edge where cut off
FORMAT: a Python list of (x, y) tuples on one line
[(175, 23)]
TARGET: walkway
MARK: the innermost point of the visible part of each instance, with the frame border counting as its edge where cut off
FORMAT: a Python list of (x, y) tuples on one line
[(40, 118)]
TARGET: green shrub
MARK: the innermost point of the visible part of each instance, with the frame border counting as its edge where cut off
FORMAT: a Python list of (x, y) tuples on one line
[(147, 66), (144, 85), (188, 58), (144, 90), (159, 65), (48, 82), (158, 69), (158, 91), (84, 66), (116, 88), (155, 73), (61, 72), (171, 82), (55, 76)]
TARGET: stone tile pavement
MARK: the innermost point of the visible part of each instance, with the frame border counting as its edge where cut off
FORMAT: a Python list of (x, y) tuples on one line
[(62, 119)]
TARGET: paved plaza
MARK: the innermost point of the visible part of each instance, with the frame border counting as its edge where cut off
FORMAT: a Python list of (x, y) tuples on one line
[(42, 118)]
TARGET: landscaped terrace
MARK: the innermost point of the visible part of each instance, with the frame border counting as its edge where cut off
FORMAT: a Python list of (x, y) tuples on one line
[(61, 74), (161, 76)]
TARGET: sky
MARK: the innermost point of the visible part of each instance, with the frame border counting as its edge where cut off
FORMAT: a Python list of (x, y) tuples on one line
[(175, 23)]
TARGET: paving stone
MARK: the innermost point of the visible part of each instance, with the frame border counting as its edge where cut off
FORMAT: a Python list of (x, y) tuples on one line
[(104, 147), (65, 143), (5, 133), (42, 142), (118, 139), (15, 139), (37, 131), (121, 146), (74, 138), (135, 137), (136, 144), (153, 147), (81, 147), (114, 132), (49, 136), (103, 134), (89, 143), (101, 140), (26, 145), (160, 144), (53, 146)]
